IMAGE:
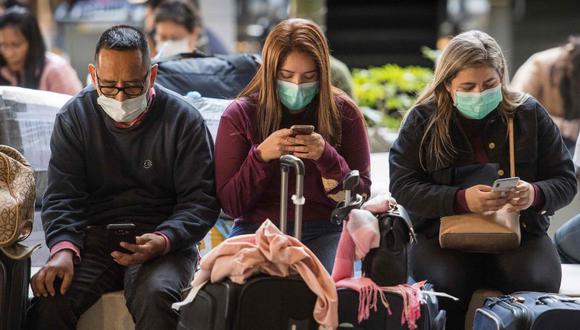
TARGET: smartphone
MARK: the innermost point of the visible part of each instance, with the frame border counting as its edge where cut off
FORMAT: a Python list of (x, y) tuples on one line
[(120, 232), (302, 129), (505, 184)]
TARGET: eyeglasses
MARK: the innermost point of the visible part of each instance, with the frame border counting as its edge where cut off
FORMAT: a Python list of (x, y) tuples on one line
[(130, 91)]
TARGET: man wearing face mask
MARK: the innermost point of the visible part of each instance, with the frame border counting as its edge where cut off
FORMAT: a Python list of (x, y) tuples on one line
[(124, 151), (177, 28)]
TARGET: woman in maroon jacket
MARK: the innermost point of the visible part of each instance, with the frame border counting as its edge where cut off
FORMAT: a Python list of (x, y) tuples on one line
[(291, 87)]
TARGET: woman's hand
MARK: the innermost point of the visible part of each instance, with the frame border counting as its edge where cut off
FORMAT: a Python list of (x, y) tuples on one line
[(481, 198), (306, 146), (274, 145), (522, 197)]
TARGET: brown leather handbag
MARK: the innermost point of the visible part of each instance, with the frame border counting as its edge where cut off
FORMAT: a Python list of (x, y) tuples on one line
[(484, 233), (17, 195)]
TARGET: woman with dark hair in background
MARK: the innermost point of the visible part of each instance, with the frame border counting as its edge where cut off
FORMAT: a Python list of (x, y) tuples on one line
[(553, 78), (24, 61)]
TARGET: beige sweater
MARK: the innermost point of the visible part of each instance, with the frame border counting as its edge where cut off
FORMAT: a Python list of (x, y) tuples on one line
[(533, 77)]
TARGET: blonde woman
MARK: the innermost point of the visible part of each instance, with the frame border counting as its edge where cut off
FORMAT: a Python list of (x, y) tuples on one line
[(452, 146), (291, 87)]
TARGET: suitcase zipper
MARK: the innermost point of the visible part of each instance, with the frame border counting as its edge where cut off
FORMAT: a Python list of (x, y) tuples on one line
[(492, 316), (512, 304)]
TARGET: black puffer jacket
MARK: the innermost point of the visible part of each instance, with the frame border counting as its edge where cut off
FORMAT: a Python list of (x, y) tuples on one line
[(541, 158)]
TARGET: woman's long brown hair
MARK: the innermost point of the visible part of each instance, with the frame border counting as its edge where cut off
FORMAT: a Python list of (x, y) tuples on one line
[(468, 49), (294, 35)]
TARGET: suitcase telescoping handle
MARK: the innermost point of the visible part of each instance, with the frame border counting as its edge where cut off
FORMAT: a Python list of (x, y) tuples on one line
[(341, 212), (286, 163), (348, 184)]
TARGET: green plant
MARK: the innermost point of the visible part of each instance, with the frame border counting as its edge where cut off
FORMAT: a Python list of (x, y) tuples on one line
[(390, 89)]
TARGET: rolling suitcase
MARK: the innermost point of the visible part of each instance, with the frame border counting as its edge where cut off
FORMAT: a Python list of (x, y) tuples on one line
[(386, 265), (348, 305), (17, 194), (528, 311), (263, 302), (14, 280)]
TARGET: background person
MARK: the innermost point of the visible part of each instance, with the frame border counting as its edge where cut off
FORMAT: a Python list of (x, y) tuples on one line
[(177, 28), (208, 41), (24, 61), (553, 78)]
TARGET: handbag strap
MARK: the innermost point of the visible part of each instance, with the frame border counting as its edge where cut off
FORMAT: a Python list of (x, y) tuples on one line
[(511, 146)]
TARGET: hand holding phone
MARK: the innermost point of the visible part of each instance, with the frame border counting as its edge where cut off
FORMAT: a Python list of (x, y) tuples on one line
[(120, 232), (505, 184), (302, 129)]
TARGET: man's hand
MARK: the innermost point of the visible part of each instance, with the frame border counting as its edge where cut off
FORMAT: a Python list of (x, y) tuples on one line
[(148, 247), (59, 265)]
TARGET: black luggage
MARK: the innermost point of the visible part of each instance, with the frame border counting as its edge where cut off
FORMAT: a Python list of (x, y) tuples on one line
[(14, 280), (528, 310), (348, 300), (220, 76), (386, 265), (263, 302)]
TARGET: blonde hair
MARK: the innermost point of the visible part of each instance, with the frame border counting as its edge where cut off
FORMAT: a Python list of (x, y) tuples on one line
[(468, 49), (294, 35)]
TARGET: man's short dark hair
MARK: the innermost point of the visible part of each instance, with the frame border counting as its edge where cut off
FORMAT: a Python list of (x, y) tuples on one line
[(124, 37)]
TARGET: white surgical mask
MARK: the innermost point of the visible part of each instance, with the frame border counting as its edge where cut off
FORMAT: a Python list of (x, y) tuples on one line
[(123, 111), (173, 47)]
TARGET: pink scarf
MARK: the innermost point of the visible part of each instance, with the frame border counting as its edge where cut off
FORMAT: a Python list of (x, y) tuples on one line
[(360, 234), (269, 251)]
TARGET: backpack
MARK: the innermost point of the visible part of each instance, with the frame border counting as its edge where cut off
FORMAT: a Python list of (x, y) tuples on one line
[(220, 76)]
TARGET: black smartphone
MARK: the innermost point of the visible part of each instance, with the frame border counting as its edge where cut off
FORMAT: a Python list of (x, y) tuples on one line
[(302, 129), (120, 232)]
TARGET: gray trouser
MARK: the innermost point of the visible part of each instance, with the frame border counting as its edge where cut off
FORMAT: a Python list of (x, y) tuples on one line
[(150, 288)]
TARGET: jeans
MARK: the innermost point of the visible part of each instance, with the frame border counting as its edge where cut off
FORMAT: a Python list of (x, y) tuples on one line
[(150, 288), (321, 237), (567, 240)]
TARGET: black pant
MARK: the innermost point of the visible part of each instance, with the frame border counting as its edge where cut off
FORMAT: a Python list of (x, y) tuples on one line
[(150, 288), (534, 266)]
